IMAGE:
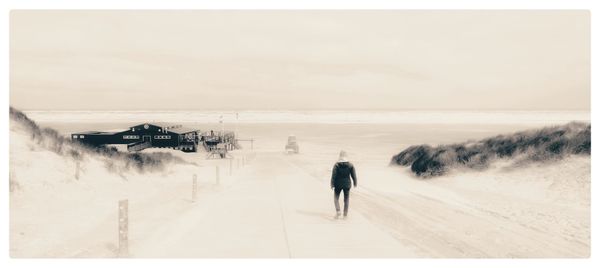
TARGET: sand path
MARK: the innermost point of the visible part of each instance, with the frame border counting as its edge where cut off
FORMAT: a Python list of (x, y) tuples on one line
[(275, 210), (275, 207)]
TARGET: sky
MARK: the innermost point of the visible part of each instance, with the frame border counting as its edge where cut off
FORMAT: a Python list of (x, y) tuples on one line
[(300, 60)]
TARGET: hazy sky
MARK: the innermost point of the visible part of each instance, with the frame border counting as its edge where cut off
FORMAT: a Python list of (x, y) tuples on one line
[(171, 60)]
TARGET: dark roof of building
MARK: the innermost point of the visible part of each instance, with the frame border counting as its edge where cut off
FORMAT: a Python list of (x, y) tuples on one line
[(182, 130), (177, 129), (165, 125), (158, 124)]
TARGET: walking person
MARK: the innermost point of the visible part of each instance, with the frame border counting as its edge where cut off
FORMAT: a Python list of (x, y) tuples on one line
[(341, 174)]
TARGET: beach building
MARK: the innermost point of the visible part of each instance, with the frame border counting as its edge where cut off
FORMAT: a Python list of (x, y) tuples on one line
[(144, 136)]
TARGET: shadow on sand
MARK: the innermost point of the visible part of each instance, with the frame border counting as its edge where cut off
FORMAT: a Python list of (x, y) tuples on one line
[(321, 215)]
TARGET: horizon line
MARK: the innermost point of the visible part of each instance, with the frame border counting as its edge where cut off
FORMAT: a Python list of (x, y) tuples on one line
[(299, 110)]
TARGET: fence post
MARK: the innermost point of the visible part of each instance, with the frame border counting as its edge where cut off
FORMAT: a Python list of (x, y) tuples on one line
[(230, 165), (194, 187), (123, 228)]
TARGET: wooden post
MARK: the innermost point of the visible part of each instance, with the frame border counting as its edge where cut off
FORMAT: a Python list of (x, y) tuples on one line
[(230, 165), (194, 187), (217, 175), (77, 169), (123, 228)]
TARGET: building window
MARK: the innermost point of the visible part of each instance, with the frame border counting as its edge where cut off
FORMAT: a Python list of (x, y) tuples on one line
[(74, 136), (131, 137), (81, 136), (162, 137)]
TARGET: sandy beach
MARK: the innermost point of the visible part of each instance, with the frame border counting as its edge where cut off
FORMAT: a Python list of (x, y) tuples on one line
[(266, 203)]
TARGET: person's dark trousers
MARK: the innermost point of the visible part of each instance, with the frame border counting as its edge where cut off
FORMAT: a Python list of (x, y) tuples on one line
[(336, 198)]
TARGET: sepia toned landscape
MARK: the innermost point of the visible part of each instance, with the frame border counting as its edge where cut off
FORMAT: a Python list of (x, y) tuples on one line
[(218, 134), (267, 203)]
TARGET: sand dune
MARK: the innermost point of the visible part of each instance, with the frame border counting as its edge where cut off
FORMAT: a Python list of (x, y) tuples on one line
[(63, 195), (49, 139), (550, 143)]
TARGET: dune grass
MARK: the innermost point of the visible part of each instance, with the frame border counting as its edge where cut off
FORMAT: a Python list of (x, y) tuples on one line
[(544, 144), (51, 140)]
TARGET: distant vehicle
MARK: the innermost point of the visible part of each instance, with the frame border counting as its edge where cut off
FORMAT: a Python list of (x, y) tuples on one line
[(292, 145)]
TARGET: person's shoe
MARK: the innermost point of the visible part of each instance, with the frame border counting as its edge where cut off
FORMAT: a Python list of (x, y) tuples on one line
[(345, 217), (337, 215)]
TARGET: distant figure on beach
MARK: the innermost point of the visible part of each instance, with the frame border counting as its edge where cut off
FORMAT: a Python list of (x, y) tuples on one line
[(341, 174)]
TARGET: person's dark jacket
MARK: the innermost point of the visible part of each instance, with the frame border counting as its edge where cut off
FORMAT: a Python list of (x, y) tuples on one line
[(341, 174)]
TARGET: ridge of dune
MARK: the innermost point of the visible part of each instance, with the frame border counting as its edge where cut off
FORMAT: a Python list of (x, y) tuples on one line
[(523, 147), (27, 136)]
